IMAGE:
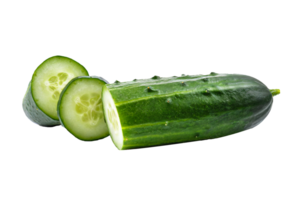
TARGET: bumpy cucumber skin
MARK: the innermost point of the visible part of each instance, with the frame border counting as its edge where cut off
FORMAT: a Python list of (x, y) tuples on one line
[(162, 111), (60, 99), (33, 112)]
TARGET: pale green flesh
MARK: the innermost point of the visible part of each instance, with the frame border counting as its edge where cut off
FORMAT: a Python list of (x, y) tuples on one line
[(112, 119), (81, 110), (49, 80)]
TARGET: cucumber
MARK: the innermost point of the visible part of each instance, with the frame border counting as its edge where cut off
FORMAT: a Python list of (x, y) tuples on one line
[(160, 111), (48, 80), (80, 108)]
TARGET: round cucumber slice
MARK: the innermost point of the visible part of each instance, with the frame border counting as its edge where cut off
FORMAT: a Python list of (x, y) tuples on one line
[(80, 108), (48, 80)]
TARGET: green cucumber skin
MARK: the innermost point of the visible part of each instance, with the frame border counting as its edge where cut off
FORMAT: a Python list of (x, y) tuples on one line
[(199, 107), (33, 112)]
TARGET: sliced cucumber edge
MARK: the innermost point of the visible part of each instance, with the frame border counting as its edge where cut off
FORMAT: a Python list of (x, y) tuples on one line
[(119, 145)]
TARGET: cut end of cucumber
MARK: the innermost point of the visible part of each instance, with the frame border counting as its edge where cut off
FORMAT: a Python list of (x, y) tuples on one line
[(112, 119)]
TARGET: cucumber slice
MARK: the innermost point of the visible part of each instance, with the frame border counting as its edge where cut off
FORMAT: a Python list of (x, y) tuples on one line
[(80, 108), (48, 80)]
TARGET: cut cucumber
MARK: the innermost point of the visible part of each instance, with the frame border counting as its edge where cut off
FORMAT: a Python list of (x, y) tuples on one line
[(48, 80), (160, 111), (80, 108)]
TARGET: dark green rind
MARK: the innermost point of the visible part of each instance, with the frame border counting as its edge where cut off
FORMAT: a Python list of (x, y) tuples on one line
[(164, 86), (58, 59), (202, 107), (191, 130), (33, 112), (60, 99)]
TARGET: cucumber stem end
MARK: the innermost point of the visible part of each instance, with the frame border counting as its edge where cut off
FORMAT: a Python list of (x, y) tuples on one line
[(275, 92)]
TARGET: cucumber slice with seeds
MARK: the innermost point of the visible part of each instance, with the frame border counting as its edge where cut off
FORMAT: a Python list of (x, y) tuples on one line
[(80, 108), (48, 80)]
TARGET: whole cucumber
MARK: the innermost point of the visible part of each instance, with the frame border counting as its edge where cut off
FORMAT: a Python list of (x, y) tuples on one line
[(160, 111)]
